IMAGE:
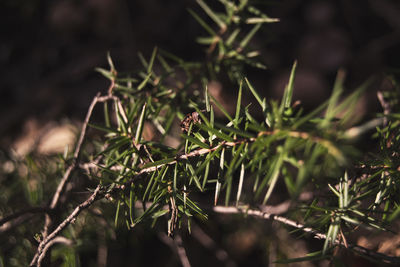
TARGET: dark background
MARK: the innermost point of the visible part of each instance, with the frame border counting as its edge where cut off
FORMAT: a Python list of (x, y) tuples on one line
[(49, 49)]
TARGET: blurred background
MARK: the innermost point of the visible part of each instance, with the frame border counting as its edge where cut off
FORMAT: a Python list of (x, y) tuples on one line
[(50, 48)]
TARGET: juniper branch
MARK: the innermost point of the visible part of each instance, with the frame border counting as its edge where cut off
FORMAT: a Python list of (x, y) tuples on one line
[(202, 151)]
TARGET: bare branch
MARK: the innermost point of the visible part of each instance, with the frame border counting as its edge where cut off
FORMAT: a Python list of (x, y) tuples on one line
[(181, 251), (40, 251), (268, 216), (207, 242), (15, 222), (176, 245), (58, 239), (78, 147), (74, 164), (21, 213), (385, 106)]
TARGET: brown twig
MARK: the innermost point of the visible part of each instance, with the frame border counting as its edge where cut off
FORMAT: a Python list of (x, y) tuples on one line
[(206, 241), (40, 253), (58, 239), (176, 245), (15, 222), (268, 216), (21, 213), (385, 106), (62, 184), (74, 163), (181, 251), (78, 147)]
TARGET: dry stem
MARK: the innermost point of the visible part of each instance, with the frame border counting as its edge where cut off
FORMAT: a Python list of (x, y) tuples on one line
[(268, 216)]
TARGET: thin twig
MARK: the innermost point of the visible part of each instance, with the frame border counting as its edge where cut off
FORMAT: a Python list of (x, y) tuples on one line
[(181, 251), (70, 219), (206, 241), (22, 212), (58, 239), (176, 245), (223, 144), (74, 164), (181, 157), (357, 131), (15, 222), (256, 213), (385, 106)]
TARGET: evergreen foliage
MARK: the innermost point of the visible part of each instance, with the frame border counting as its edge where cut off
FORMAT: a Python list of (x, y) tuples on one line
[(241, 161)]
